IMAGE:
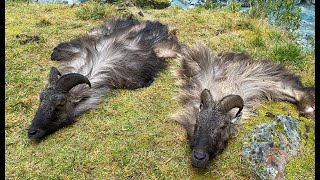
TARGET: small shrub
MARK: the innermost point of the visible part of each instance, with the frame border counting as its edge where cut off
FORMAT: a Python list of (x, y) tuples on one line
[(91, 10), (234, 6), (283, 13), (96, 10)]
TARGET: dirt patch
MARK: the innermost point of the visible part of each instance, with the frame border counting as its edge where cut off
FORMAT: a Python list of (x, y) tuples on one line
[(24, 39)]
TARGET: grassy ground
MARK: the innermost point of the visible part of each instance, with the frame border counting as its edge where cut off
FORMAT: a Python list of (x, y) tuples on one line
[(131, 135)]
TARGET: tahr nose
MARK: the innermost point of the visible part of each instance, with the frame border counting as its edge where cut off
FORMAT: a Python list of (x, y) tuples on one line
[(32, 132), (199, 155)]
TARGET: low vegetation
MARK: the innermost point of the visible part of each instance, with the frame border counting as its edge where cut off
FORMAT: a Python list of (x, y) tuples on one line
[(156, 4), (131, 134)]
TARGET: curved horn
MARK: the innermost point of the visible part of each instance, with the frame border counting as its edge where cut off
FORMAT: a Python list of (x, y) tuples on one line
[(68, 81), (232, 101), (53, 76)]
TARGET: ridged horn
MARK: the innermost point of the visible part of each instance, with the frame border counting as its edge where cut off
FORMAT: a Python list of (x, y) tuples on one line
[(68, 81), (231, 101), (53, 76)]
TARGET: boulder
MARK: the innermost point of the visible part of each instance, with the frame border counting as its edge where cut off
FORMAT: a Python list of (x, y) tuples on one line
[(271, 145)]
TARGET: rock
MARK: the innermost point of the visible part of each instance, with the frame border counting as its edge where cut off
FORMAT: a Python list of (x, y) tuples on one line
[(271, 146)]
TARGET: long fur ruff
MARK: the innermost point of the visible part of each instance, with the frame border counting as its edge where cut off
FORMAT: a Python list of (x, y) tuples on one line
[(123, 53), (228, 73)]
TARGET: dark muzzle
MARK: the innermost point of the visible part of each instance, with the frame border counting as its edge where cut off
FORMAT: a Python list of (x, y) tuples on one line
[(199, 158), (35, 134)]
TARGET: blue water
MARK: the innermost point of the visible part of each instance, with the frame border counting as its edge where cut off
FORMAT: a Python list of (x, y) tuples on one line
[(307, 26), (306, 31), (186, 4)]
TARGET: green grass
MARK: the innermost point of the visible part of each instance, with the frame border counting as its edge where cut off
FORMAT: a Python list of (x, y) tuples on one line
[(157, 4), (95, 10), (131, 134), (244, 24), (43, 22), (289, 53), (257, 41)]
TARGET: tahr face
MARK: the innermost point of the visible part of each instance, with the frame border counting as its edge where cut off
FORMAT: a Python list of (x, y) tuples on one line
[(210, 136), (53, 113)]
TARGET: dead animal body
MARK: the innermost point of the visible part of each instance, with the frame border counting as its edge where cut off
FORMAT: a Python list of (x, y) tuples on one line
[(216, 88), (122, 54)]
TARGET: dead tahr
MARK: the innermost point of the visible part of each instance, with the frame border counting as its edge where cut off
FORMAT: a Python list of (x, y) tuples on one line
[(216, 88), (122, 54)]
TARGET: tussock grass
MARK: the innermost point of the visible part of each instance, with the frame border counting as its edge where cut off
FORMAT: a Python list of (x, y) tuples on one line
[(96, 10), (131, 135), (289, 53), (257, 41), (43, 22)]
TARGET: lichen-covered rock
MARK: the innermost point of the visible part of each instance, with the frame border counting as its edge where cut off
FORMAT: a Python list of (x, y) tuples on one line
[(271, 146)]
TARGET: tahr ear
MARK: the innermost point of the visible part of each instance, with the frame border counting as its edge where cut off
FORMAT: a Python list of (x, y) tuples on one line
[(206, 98), (53, 76)]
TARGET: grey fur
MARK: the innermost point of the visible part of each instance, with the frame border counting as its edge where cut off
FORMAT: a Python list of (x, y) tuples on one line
[(123, 53), (225, 74)]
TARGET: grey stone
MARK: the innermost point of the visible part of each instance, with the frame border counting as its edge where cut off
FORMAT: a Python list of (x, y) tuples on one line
[(271, 146)]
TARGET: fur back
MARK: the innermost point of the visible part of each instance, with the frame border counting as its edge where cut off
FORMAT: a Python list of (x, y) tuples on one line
[(228, 73), (123, 53)]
